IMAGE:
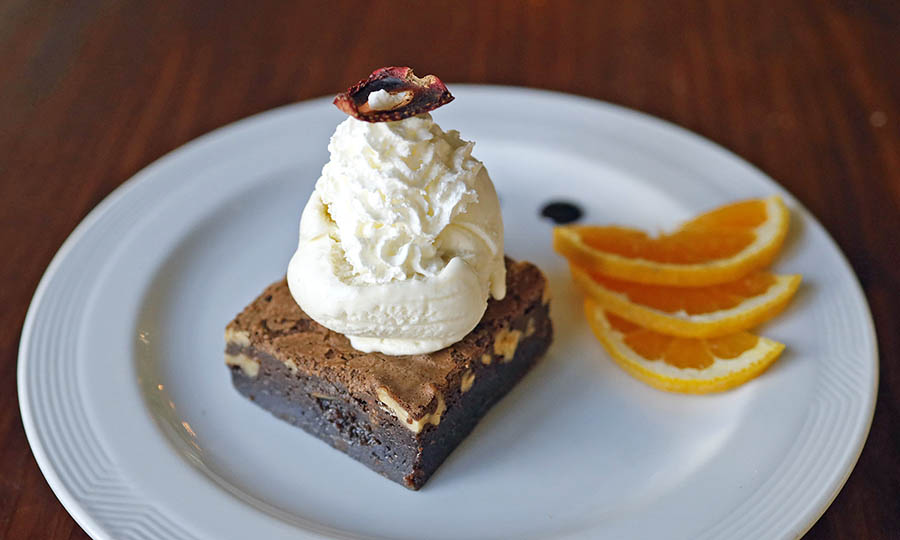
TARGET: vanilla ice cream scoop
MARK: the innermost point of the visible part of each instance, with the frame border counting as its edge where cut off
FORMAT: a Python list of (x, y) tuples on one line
[(401, 243)]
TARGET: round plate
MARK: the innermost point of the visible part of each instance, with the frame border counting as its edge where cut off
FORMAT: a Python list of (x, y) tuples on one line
[(131, 414)]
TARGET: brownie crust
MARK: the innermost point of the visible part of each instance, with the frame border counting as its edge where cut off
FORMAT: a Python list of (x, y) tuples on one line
[(399, 415)]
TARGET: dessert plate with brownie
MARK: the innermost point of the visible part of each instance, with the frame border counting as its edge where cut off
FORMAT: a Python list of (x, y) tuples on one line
[(404, 355)]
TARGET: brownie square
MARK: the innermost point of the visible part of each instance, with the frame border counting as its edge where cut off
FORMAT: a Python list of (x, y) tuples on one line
[(399, 415)]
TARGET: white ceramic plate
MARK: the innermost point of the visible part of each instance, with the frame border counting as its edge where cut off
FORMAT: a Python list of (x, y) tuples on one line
[(131, 415)]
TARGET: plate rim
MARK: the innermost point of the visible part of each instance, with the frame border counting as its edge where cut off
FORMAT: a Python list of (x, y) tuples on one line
[(93, 527)]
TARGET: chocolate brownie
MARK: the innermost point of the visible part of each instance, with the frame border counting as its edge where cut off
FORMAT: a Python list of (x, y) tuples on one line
[(399, 415)]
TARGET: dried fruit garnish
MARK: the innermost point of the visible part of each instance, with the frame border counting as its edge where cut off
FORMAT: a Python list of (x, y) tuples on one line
[(398, 93)]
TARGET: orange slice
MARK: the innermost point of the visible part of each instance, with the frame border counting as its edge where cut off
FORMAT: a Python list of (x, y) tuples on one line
[(719, 246), (693, 366), (693, 312)]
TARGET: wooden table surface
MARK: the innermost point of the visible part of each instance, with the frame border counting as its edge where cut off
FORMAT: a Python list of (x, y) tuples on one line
[(92, 91)]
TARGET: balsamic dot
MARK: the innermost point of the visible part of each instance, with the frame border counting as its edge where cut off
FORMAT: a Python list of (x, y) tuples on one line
[(561, 212)]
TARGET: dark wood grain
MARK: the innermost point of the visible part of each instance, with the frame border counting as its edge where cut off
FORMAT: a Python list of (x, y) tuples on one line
[(92, 91)]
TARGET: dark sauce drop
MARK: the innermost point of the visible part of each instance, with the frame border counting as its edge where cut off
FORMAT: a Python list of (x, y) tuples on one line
[(561, 212)]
